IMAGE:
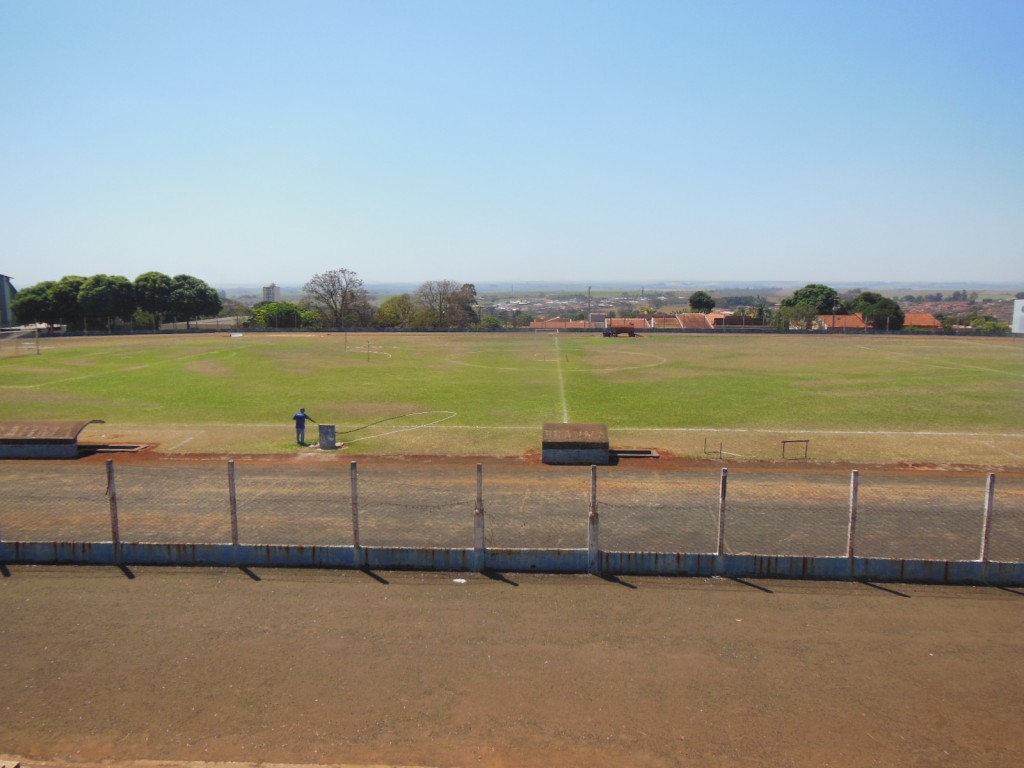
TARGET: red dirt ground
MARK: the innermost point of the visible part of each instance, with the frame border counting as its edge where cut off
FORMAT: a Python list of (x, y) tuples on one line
[(328, 667)]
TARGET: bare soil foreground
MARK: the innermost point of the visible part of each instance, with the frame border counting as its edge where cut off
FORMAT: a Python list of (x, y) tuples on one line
[(431, 669)]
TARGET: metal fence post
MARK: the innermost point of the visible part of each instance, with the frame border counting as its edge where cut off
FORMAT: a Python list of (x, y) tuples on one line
[(986, 529), (233, 499), (854, 491), (594, 527), (354, 474), (721, 510), (479, 541), (115, 529)]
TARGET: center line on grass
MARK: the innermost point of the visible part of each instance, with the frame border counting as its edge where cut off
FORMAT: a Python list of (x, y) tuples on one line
[(561, 382)]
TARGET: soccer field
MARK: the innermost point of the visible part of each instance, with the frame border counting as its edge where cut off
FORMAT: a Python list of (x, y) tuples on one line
[(857, 398)]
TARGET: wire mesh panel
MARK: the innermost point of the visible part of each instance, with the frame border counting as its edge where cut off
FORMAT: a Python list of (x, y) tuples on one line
[(294, 504), (1006, 536), (416, 506), (645, 511), (775, 515), (537, 508), (939, 517), (168, 503), (920, 518), (46, 506)]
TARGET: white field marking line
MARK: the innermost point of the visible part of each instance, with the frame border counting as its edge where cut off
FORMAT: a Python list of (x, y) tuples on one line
[(451, 415), (795, 430), (561, 381), (184, 442), (658, 360), (355, 351), (987, 342), (724, 430), (914, 359), (988, 444)]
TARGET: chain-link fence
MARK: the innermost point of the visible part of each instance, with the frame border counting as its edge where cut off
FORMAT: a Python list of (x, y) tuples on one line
[(927, 517)]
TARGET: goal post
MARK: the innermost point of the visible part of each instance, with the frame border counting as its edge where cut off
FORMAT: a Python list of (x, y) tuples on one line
[(18, 342)]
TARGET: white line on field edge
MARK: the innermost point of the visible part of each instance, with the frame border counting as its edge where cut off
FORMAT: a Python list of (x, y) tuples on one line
[(524, 428)]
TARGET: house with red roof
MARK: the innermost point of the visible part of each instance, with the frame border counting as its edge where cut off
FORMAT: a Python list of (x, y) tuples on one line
[(921, 321), (854, 322)]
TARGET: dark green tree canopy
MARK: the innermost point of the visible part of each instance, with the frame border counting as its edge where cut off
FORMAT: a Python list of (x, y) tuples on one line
[(882, 313), (64, 297), (191, 298), (153, 292), (34, 304), (105, 298), (701, 301), (277, 314), (101, 300), (822, 298)]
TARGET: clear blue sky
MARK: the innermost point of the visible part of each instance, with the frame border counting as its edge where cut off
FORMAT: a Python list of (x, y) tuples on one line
[(492, 140)]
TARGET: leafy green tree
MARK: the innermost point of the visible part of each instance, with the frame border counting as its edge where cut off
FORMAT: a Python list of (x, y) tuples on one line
[(107, 298), (882, 313), (340, 296), (762, 312), (801, 316), (489, 323), (277, 314), (192, 299), (397, 312), (990, 326), (822, 298), (701, 301), (64, 300), (34, 304), (153, 296)]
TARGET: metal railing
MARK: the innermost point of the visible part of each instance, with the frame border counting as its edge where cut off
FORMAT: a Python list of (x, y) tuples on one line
[(929, 517)]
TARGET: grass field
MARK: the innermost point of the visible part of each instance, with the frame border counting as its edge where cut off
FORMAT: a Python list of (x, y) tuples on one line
[(874, 399)]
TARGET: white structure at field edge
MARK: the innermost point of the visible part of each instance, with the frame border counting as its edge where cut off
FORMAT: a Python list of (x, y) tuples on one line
[(1018, 316)]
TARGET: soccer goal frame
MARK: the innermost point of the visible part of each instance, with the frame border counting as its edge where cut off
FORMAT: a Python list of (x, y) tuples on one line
[(18, 342)]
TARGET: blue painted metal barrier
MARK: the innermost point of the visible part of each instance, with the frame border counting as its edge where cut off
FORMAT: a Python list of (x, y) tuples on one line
[(1003, 574)]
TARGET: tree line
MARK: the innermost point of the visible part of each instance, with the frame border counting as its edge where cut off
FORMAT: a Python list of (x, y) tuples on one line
[(109, 301), (807, 304), (338, 298), (803, 308)]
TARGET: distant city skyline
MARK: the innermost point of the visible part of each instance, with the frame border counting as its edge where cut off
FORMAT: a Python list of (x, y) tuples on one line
[(614, 141)]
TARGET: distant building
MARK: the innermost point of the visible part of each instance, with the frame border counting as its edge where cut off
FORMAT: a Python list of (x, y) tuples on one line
[(854, 322), (921, 321), (272, 292), (6, 296)]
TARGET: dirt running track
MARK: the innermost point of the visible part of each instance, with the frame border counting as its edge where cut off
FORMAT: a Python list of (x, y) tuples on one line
[(347, 667)]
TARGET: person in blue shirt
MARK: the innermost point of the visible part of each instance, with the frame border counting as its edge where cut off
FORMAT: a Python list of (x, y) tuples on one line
[(300, 425)]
